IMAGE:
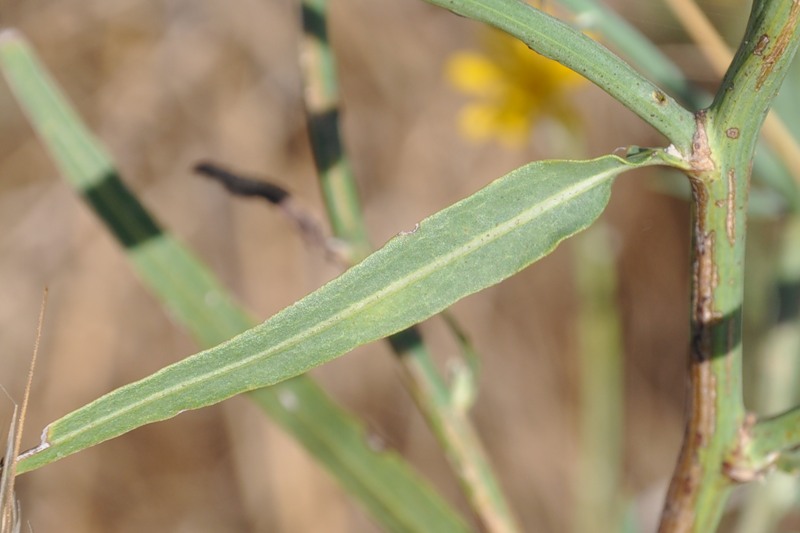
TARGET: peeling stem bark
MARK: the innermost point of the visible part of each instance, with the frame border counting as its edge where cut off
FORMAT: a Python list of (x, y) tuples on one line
[(700, 485)]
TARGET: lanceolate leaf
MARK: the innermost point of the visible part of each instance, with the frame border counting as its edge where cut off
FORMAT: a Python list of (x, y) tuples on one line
[(469, 246), (396, 496)]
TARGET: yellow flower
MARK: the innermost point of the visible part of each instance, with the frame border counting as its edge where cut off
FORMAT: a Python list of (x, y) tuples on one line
[(513, 86)]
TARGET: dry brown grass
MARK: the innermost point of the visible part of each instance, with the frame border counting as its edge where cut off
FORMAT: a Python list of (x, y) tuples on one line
[(166, 84)]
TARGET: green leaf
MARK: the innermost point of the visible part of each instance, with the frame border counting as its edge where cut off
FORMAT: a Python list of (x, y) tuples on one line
[(398, 499), (471, 245)]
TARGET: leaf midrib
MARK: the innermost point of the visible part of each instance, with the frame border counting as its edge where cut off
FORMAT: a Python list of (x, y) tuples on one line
[(479, 241)]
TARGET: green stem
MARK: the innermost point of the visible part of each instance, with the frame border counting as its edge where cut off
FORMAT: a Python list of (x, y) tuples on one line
[(598, 484), (558, 41), (698, 491), (455, 433), (449, 423), (339, 189), (592, 15), (776, 374), (774, 435), (722, 152)]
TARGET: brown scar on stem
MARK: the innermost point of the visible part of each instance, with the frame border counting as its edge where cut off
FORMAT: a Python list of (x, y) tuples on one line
[(730, 216), (700, 160), (762, 43), (738, 466), (705, 269), (705, 276), (707, 280), (732, 133), (678, 514), (679, 511), (778, 49), (660, 97)]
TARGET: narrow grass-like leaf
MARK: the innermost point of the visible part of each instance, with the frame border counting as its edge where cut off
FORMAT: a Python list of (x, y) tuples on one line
[(9, 505), (398, 499), (471, 245)]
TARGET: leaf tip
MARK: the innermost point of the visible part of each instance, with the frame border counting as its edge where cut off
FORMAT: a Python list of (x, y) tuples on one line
[(43, 445)]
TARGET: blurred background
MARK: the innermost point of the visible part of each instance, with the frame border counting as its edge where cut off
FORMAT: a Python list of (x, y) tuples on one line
[(167, 84)]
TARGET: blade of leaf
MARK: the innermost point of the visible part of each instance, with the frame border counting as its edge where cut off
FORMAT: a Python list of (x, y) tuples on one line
[(454, 431), (471, 245), (397, 497)]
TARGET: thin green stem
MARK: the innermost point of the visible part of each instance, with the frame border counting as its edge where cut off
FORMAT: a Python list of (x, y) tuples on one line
[(559, 41), (455, 433), (722, 151), (594, 16), (776, 374), (338, 185), (774, 435), (598, 483), (449, 423)]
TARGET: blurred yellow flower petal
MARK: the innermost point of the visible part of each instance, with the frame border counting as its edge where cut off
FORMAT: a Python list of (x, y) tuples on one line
[(513, 87), (482, 122), (473, 73), (476, 121)]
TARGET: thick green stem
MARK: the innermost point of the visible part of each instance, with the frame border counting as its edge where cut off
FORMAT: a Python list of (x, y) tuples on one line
[(596, 17), (716, 408), (722, 152)]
